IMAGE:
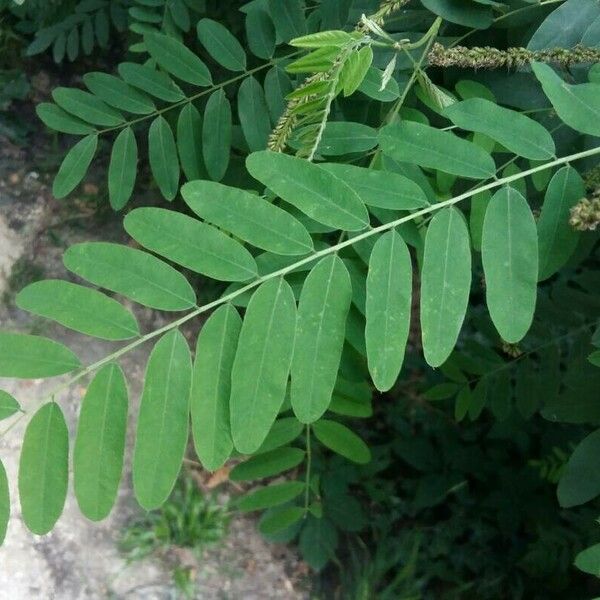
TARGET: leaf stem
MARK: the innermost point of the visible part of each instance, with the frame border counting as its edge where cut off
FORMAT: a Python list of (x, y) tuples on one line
[(308, 468)]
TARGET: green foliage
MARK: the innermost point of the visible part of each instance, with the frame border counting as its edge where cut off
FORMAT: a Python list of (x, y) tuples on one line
[(355, 263)]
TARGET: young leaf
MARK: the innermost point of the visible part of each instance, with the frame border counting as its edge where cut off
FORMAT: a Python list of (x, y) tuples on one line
[(248, 217), (509, 252), (87, 107), (516, 132), (56, 118), (288, 18), (267, 464), (342, 441), (162, 427), (190, 243), (381, 189), (215, 351), (190, 141), (389, 295), (320, 330), (122, 169), (115, 92), (4, 503), (253, 113), (147, 79), (8, 405), (557, 239), (577, 105), (426, 146), (262, 363), (100, 443), (216, 135), (268, 496), (132, 273), (221, 45), (355, 69), (580, 481), (24, 356), (44, 469), (74, 166), (162, 154), (322, 38), (445, 284), (80, 308), (177, 59), (316, 192)]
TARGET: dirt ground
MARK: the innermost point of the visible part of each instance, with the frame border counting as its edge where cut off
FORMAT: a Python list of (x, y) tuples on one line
[(79, 559)]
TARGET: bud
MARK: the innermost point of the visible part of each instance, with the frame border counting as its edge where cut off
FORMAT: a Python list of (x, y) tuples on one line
[(585, 215)]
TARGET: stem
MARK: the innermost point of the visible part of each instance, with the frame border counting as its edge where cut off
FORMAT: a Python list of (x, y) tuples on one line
[(308, 469), (316, 255)]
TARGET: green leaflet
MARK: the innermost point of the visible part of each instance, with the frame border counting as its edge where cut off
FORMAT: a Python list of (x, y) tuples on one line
[(381, 189), (344, 137), (588, 560), (322, 38), (4, 503), (288, 18), (132, 273), (44, 469), (87, 107), (557, 239), (316, 192), (117, 93), (515, 131), (445, 284), (318, 541), (216, 135), (283, 432), (215, 351), (162, 154), (177, 59), (24, 356), (267, 464), (253, 113), (322, 311), (122, 169), (162, 427), (580, 481), (462, 12), (8, 405), (509, 252), (221, 45), (342, 441), (277, 86), (56, 118), (262, 363), (147, 79), (271, 495), (371, 86), (355, 69), (278, 520), (74, 166), (248, 217), (100, 443), (189, 141), (577, 105), (389, 295), (260, 33), (190, 243), (426, 146), (80, 308)]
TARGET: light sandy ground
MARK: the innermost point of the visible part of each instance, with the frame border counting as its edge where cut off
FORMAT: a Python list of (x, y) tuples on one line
[(79, 559)]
